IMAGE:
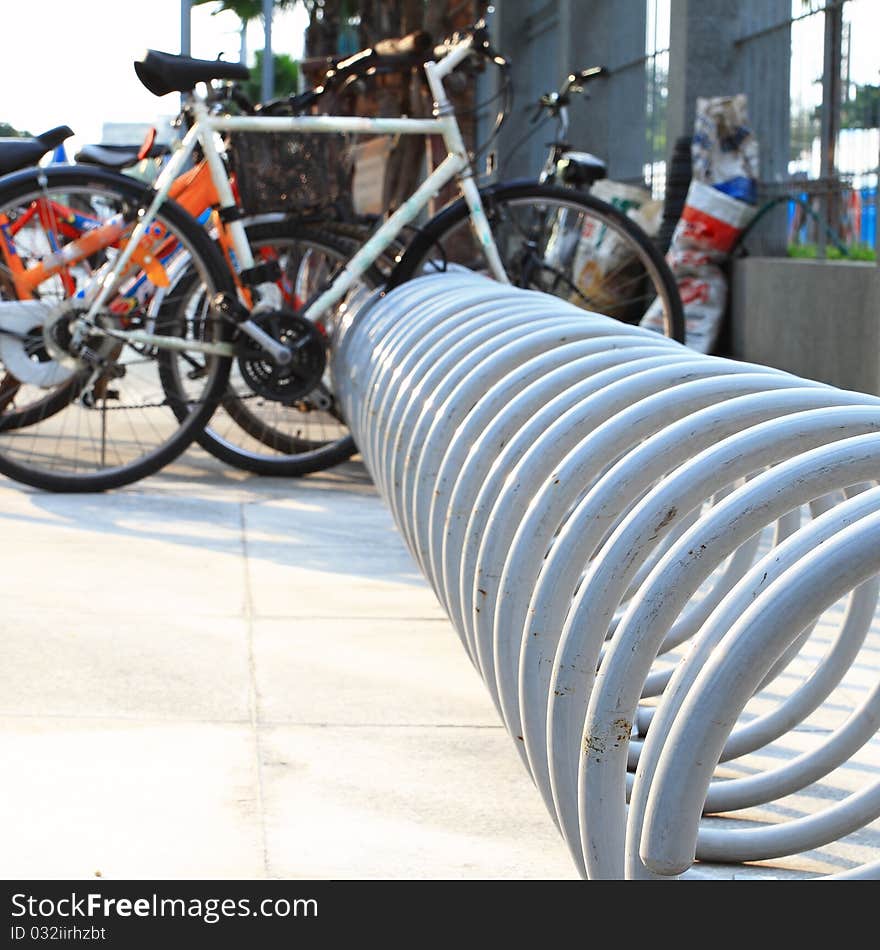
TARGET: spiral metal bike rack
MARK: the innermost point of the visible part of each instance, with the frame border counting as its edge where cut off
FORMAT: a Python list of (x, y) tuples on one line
[(643, 550)]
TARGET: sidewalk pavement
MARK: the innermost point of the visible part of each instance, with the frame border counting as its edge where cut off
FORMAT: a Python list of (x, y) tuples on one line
[(213, 675)]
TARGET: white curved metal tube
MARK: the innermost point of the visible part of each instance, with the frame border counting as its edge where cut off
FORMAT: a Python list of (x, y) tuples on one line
[(586, 498)]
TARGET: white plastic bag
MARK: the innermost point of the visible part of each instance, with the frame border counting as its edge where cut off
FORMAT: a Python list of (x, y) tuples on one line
[(725, 157), (724, 152)]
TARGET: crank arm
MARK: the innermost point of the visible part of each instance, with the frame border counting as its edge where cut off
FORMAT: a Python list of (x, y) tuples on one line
[(278, 351), (233, 310)]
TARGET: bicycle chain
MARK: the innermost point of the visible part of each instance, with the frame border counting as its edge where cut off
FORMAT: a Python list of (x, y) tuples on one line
[(157, 405)]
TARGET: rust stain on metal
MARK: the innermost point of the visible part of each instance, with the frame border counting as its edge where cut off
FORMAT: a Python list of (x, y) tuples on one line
[(594, 744), (667, 518)]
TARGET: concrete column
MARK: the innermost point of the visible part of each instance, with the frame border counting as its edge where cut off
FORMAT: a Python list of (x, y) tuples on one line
[(763, 61), (701, 58), (719, 49), (545, 41), (625, 94), (527, 36), (185, 32), (268, 78), (591, 32), (185, 27), (762, 52)]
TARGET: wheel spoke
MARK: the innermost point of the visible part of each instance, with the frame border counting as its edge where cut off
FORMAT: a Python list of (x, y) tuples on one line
[(97, 416)]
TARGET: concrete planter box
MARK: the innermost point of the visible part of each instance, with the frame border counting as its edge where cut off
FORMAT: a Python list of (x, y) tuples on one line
[(819, 319)]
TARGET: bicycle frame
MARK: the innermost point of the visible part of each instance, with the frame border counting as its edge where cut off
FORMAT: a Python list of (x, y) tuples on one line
[(51, 215), (203, 132)]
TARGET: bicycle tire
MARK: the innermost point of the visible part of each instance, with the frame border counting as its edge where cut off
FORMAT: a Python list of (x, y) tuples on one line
[(89, 446), (430, 251), (360, 232), (15, 416), (267, 446), (40, 409)]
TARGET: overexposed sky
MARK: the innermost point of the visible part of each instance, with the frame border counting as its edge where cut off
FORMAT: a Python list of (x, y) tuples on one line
[(69, 62)]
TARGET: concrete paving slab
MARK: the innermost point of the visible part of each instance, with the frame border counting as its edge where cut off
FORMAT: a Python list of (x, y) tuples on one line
[(143, 800), (123, 569), (337, 583), (357, 672), (163, 649), (313, 520), (87, 663), (404, 803), (210, 674)]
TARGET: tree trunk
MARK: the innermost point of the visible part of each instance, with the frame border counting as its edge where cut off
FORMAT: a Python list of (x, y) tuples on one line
[(380, 19)]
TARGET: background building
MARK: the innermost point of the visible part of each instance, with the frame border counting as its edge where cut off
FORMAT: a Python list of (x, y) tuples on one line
[(810, 70)]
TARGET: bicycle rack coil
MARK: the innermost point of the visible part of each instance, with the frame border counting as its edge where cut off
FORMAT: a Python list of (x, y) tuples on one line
[(664, 566)]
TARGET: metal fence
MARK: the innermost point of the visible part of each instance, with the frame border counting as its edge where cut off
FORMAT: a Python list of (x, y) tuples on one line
[(656, 94), (824, 165)]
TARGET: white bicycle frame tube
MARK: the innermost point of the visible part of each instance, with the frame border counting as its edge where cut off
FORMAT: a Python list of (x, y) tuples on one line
[(203, 131)]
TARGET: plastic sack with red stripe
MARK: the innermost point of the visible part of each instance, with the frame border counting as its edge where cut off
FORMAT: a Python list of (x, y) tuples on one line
[(725, 159)]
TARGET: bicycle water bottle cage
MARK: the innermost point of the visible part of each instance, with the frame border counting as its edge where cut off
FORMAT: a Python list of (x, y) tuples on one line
[(162, 73)]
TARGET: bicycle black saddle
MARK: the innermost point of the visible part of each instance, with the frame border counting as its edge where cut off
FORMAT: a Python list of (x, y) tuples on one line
[(162, 73), (117, 156), (16, 153)]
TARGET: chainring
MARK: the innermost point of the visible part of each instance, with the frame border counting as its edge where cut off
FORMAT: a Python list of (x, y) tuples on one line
[(295, 380)]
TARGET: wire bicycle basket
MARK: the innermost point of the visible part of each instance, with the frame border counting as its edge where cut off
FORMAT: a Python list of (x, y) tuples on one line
[(292, 172)]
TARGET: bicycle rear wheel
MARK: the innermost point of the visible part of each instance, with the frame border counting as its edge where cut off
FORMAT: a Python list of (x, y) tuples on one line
[(558, 241), (104, 419)]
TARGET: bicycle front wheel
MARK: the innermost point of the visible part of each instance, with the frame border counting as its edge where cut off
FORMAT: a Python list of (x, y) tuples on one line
[(558, 241), (99, 416)]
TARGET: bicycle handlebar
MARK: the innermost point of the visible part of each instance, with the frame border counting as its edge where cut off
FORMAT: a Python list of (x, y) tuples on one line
[(553, 102), (386, 56), (389, 54), (584, 76)]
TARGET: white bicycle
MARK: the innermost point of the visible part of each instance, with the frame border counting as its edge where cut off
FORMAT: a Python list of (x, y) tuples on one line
[(141, 321)]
